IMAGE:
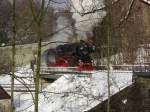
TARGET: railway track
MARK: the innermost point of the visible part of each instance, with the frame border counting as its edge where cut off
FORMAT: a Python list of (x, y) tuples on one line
[(19, 87)]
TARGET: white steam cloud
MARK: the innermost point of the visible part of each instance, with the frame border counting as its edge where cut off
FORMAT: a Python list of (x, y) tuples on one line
[(85, 23), (65, 32)]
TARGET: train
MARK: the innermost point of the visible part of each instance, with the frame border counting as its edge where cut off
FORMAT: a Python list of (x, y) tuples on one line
[(76, 55)]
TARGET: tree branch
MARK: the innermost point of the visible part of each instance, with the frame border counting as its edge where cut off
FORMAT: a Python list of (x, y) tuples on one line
[(128, 12)]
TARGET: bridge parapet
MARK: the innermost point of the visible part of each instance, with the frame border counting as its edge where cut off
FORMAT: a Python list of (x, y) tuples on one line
[(24, 53)]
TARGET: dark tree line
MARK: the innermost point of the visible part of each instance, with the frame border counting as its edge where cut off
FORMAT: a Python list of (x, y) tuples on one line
[(25, 26), (5, 17)]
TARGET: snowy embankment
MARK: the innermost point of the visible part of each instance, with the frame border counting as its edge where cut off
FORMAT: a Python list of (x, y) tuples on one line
[(22, 76), (72, 94)]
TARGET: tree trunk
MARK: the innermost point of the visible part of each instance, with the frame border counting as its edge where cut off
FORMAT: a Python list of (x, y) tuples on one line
[(13, 56), (39, 34), (108, 28), (37, 77)]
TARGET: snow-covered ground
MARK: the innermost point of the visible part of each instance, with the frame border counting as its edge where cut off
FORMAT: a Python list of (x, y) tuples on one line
[(20, 74), (70, 93)]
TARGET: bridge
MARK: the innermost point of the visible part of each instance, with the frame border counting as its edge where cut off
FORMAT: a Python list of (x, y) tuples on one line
[(25, 53)]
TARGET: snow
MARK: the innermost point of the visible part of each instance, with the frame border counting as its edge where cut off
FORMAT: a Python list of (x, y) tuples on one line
[(147, 1), (140, 55), (70, 93), (124, 101), (57, 4), (21, 72)]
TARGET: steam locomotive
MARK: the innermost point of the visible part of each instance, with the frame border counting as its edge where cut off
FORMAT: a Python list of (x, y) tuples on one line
[(76, 55)]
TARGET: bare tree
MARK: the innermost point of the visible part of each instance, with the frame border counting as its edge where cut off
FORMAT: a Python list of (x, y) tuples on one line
[(5, 18), (108, 51), (13, 56), (26, 27), (38, 19)]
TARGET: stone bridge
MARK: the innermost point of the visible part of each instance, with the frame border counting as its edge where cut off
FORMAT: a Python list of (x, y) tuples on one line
[(27, 52)]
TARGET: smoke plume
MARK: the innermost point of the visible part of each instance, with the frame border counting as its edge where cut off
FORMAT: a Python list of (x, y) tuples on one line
[(87, 14)]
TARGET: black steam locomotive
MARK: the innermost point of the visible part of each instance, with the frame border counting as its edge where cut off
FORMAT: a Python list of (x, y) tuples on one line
[(71, 55)]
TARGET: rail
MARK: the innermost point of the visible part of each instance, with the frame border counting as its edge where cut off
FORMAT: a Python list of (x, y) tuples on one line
[(56, 72), (19, 87)]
